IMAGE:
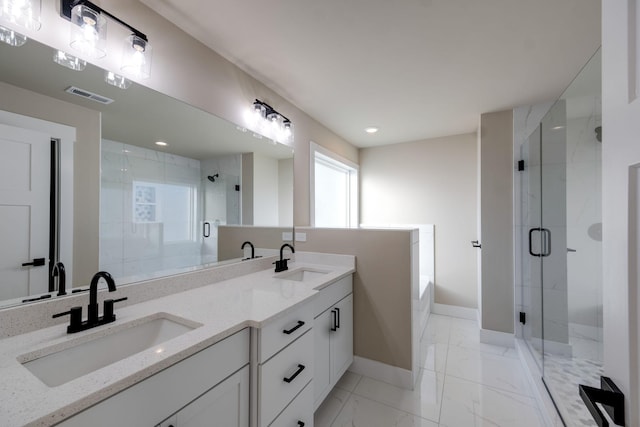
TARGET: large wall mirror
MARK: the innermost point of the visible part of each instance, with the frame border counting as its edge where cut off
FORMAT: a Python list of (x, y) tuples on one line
[(83, 182)]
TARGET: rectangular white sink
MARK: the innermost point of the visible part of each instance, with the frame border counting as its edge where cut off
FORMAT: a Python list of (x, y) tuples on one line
[(302, 274), (62, 366)]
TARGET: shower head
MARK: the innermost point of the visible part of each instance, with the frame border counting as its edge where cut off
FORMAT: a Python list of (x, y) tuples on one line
[(212, 178)]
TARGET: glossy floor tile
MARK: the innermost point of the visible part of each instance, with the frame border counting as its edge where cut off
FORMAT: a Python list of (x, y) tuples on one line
[(462, 382)]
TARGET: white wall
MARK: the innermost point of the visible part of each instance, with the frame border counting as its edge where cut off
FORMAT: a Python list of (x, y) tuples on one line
[(429, 182), (285, 192), (621, 198), (265, 190)]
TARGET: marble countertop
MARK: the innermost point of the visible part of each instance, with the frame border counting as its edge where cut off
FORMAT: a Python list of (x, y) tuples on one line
[(221, 308)]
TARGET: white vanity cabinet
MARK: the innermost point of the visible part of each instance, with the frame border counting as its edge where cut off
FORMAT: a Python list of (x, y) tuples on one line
[(201, 390), (226, 404), (284, 370), (333, 336)]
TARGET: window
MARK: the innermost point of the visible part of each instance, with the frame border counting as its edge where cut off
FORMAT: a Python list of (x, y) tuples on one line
[(334, 190)]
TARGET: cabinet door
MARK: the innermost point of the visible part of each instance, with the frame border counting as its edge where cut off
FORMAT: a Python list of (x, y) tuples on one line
[(322, 368), (225, 405), (342, 339)]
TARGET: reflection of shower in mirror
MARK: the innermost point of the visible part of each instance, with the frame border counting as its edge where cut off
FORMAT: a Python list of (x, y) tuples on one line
[(212, 178)]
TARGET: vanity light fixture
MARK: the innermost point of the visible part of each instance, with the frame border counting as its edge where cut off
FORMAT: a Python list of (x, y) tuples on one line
[(72, 62), (265, 120), (116, 80), (89, 35)]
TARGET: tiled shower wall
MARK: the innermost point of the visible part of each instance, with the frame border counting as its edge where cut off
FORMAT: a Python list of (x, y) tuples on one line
[(131, 248)]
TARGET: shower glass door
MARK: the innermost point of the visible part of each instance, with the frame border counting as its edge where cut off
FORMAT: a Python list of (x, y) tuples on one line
[(561, 238)]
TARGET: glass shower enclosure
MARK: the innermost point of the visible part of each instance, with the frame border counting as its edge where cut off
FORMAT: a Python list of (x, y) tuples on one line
[(560, 242)]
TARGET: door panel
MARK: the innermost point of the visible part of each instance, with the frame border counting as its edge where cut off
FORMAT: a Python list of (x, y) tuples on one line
[(24, 210), (342, 339)]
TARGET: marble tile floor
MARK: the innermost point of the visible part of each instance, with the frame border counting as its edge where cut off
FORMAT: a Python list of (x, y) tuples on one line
[(462, 383)]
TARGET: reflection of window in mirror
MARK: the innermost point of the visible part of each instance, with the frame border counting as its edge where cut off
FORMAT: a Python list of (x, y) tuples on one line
[(334, 189), (173, 205)]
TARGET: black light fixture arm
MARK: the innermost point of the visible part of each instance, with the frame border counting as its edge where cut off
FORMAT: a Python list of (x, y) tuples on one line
[(67, 5), (270, 110)]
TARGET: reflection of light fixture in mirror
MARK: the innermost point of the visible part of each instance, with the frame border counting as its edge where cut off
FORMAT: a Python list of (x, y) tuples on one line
[(136, 57), (161, 143), (89, 31), (265, 120), (11, 38), (116, 80), (25, 13), (371, 130), (69, 61)]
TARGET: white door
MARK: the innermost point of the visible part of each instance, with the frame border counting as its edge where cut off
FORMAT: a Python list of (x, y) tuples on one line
[(24, 211), (621, 198)]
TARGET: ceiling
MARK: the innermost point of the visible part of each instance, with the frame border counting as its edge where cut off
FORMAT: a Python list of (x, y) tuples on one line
[(416, 69)]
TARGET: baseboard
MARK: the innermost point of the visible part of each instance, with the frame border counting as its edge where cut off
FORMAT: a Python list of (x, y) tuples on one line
[(534, 376), (382, 372), (502, 339), (455, 311)]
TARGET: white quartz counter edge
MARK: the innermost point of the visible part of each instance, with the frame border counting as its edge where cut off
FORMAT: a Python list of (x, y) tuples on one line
[(223, 309)]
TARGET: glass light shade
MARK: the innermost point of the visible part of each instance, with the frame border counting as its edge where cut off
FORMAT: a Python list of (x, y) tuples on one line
[(69, 61), (287, 131), (116, 80), (11, 37), (88, 32), (25, 13), (136, 57)]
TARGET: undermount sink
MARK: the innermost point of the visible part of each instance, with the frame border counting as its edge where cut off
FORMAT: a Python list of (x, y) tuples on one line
[(59, 367), (302, 274)]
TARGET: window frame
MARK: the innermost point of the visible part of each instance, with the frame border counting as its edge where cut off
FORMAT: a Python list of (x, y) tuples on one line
[(340, 163)]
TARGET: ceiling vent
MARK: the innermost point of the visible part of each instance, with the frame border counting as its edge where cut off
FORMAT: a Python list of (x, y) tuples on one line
[(88, 95)]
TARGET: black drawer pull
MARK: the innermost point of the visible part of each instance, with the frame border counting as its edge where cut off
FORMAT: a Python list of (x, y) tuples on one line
[(295, 328), (338, 324), (295, 374), (334, 313), (300, 423)]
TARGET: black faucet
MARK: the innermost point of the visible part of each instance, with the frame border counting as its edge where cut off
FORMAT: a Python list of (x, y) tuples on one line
[(92, 310), (58, 271), (281, 265), (77, 324), (253, 253)]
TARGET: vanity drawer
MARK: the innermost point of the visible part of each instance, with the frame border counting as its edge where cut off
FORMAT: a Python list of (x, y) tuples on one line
[(298, 411), (284, 330), (284, 376), (332, 293)]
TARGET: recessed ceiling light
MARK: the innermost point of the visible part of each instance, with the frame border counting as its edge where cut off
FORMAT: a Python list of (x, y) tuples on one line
[(161, 143), (371, 129)]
